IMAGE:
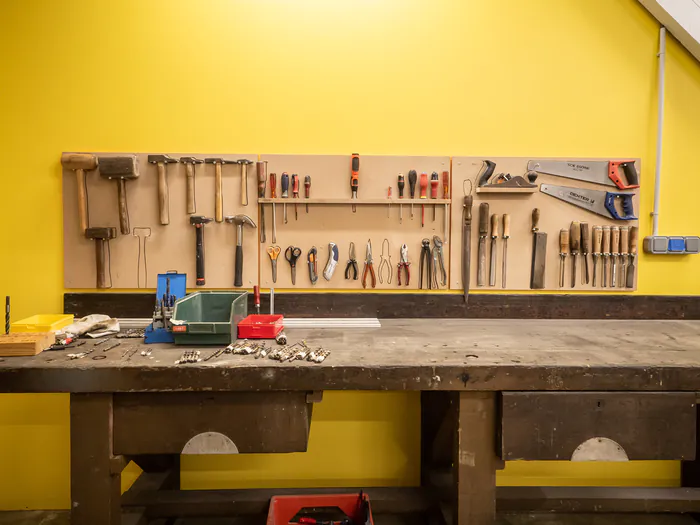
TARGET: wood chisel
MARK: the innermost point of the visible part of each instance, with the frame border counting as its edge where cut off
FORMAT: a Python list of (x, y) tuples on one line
[(494, 249), (585, 250), (434, 181), (539, 253), (506, 236), (402, 185), (575, 245), (632, 254), (446, 195), (423, 195), (606, 255), (483, 233), (563, 252), (354, 177), (603, 172), (615, 235), (597, 246), (412, 179), (602, 203), (466, 244), (285, 193), (624, 252), (273, 194)]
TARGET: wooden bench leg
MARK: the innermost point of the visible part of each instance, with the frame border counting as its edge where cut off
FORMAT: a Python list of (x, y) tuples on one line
[(95, 482), (475, 459)]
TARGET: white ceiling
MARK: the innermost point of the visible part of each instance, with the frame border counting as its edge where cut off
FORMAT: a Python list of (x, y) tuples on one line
[(681, 18)]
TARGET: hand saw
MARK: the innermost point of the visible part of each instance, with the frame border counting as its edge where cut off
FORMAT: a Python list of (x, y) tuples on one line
[(602, 172), (599, 202)]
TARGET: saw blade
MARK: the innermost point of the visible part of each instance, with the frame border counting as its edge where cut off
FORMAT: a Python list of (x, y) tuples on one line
[(591, 200), (587, 171)]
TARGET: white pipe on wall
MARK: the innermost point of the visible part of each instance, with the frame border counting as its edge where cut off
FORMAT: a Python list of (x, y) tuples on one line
[(659, 130)]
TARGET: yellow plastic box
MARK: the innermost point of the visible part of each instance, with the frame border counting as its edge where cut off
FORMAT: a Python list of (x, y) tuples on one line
[(42, 323)]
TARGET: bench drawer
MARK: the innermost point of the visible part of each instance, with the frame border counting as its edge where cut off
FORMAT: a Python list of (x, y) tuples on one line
[(225, 422), (586, 426)]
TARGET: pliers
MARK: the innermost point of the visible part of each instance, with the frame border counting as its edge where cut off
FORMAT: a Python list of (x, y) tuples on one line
[(352, 263), (385, 262), (369, 267), (404, 265), (438, 263), (425, 262)]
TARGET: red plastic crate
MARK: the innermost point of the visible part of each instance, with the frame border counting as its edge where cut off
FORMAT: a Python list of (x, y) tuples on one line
[(260, 326), (284, 508)]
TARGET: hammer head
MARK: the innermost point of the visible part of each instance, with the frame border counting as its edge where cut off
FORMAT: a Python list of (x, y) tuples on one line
[(79, 161), (240, 220), (190, 160), (218, 160), (196, 220), (119, 167), (244, 161), (161, 159), (104, 234)]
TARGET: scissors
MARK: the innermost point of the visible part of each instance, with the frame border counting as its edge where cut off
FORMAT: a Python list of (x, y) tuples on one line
[(292, 253), (274, 252)]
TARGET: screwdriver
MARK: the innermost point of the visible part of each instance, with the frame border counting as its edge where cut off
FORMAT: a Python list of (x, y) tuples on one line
[(434, 189), (354, 177), (423, 195), (575, 245), (285, 193), (412, 178), (388, 208), (446, 195), (273, 194), (307, 190), (256, 296), (585, 249), (295, 194), (402, 185)]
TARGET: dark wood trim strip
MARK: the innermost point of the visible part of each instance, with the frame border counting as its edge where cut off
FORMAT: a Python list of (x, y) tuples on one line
[(443, 306)]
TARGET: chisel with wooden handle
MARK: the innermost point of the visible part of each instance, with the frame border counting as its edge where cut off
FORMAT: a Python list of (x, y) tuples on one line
[(585, 250), (483, 233), (624, 249), (606, 255), (466, 244), (563, 253), (597, 246), (632, 254), (615, 234), (494, 249), (506, 236), (575, 245)]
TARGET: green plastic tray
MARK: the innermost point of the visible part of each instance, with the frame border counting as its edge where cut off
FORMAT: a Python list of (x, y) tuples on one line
[(209, 318)]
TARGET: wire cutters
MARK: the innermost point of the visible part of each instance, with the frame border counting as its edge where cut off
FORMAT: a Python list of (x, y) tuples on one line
[(313, 264), (385, 262), (404, 265), (274, 253), (352, 263), (438, 263), (425, 262), (292, 253), (369, 267)]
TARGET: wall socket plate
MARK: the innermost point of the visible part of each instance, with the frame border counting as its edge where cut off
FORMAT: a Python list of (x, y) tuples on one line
[(671, 245)]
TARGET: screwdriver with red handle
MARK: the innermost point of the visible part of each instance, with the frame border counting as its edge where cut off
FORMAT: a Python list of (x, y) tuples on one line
[(295, 194), (423, 195), (434, 189), (307, 190)]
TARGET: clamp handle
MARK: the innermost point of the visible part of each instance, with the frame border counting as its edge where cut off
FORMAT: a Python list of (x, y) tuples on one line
[(627, 205), (630, 171)]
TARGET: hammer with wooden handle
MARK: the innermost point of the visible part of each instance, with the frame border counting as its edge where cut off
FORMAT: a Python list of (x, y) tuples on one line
[(218, 186), (244, 163), (162, 162), (190, 166), (80, 163)]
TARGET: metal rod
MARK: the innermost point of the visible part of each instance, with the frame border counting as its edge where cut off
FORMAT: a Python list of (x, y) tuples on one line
[(659, 130), (7, 314)]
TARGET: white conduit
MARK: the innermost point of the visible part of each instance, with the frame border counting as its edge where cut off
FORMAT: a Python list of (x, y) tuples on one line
[(659, 131)]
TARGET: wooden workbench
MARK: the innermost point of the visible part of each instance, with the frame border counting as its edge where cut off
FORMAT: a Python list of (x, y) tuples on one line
[(492, 390)]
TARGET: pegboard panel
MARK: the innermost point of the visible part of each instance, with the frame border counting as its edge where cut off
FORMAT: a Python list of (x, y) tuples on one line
[(555, 215), (325, 223), (170, 247)]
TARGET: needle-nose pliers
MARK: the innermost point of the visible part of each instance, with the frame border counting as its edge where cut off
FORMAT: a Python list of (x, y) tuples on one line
[(369, 267)]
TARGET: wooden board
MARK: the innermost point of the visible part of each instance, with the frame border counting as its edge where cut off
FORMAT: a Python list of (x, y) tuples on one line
[(170, 247), (330, 179), (555, 215), (19, 344)]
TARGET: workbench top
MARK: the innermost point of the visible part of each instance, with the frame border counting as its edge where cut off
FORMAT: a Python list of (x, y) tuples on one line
[(404, 354)]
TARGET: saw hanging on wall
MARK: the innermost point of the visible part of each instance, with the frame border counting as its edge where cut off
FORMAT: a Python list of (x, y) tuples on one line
[(602, 172), (603, 203)]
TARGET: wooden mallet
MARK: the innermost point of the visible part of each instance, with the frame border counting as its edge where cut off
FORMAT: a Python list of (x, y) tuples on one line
[(80, 163)]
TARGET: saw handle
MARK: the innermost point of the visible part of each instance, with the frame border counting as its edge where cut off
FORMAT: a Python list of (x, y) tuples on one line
[(630, 171), (627, 205)]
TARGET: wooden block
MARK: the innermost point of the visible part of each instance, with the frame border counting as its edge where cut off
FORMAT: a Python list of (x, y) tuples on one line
[(25, 343)]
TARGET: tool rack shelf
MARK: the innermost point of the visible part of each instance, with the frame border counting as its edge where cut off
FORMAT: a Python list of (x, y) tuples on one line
[(506, 190), (383, 202)]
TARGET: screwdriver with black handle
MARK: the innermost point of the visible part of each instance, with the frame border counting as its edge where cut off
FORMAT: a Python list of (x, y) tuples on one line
[(307, 190), (295, 194), (354, 177), (412, 179), (285, 193), (402, 185)]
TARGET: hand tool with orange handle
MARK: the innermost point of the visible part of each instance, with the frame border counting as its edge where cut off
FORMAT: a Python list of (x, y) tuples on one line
[(262, 181), (369, 267), (606, 255), (494, 251), (256, 298), (585, 250), (606, 173), (402, 185), (631, 253), (483, 233), (80, 163), (563, 253), (273, 194), (506, 236), (274, 253), (412, 179), (285, 193), (354, 177), (624, 252), (423, 195), (307, 190), (312, 259), (615, 235), (295, 194), (597, 247), (434, 181), (575, 245)]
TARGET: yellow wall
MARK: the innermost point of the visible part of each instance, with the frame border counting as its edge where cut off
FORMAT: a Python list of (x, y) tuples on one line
[(459, 77)]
